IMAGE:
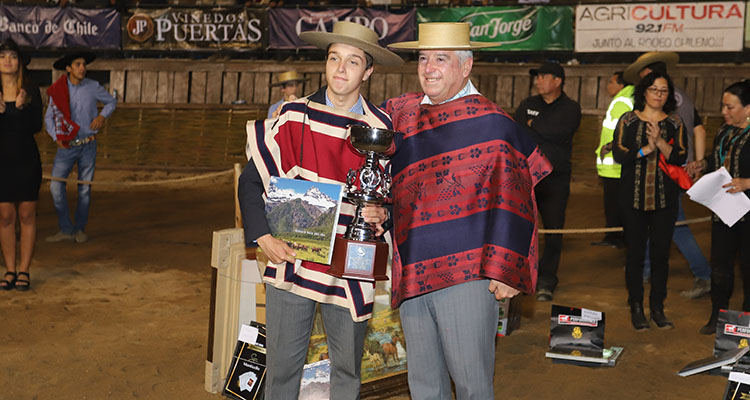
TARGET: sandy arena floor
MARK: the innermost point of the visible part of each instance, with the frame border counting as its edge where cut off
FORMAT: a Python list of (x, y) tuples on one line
[(124, 316)]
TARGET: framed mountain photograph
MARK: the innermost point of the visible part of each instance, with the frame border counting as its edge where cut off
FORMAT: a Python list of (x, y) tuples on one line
[(304, 214)]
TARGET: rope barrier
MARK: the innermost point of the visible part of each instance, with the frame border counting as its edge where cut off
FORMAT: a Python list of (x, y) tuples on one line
[(618, 229), (229, 171), (160, 182)]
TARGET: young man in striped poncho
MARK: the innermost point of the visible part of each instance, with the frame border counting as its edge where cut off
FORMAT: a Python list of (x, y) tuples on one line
[(308, 141)]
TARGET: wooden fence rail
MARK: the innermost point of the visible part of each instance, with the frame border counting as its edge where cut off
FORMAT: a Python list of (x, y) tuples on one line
[(204, 84)]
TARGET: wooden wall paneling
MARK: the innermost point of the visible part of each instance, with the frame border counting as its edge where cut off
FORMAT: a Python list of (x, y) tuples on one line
[(504, 91), (247, 83), (521, 90), (231, 87), (181, 87), (214, 86), (689, 86), (262, 88), (377, 88), (573, 87), (133, 87), (411, 82), (701, 86), (149, 86), (603, 98), (117, 82), (714, 103), (198, 87), (488, 85), (589, 92), (165, 87), (393, 87), (313, 84)]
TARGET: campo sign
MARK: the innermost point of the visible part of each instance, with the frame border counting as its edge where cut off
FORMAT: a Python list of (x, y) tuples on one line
[(515, 28), (45, 27), (285, 24), (660, 27), (194, 29)]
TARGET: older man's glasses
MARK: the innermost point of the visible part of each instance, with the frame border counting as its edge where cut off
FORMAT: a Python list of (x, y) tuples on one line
[(657, 91)]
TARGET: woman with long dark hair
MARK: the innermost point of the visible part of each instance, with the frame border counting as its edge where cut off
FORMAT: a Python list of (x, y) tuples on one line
[(648, 196), (732, 151), (20, 164)]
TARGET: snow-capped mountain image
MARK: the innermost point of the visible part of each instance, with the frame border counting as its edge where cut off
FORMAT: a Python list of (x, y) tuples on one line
[(304, 214), (312, 196)]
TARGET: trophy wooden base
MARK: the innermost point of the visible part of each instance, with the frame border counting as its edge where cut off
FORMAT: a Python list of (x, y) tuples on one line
[(353, 259)]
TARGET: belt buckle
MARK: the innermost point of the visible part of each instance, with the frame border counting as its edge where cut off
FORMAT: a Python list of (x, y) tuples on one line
[(76, 142)]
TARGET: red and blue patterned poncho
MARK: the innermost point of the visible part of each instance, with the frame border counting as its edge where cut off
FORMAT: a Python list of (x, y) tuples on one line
[(463, 191)]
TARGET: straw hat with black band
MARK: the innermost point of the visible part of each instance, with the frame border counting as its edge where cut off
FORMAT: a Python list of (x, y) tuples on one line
[(632, 72), (355, 35), (68, 59), (9, 44), (443, 36), (289, 76)]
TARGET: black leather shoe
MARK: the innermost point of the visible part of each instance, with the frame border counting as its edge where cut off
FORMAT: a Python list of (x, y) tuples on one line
[(637, 318), (661, 320), (710, 327)]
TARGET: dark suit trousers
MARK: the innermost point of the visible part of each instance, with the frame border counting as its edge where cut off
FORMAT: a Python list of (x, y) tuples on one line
[(552, 199)]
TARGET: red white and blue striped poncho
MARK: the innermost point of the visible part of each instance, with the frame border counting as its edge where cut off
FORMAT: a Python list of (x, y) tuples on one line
[(309, 141), (463, 192)]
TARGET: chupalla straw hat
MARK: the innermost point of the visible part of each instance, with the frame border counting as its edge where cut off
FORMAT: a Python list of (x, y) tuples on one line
[(633, 70), (289, 76), (443, 36), (355, 35), (68, 59)]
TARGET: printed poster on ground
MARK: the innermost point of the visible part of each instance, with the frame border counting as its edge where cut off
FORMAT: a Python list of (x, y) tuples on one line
[(527, 28), (700, 26)]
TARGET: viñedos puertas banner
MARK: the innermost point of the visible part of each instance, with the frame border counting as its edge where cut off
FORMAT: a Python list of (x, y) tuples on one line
[(194, 29), (45, 27), (700, 26), (285, 24), (515, 28)]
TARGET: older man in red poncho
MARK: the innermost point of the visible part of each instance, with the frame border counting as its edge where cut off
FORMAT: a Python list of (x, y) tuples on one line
[(465, 217)]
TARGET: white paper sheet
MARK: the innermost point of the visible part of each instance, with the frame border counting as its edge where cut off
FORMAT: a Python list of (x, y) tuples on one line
[(708, 190)]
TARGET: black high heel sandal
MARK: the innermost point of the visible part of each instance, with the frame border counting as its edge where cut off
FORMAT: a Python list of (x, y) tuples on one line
[(8, 284), (26, 282)]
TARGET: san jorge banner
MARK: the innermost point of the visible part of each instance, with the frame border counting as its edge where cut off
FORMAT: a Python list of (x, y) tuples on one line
[(194, 29), (529, 28), (285, 24), (45, 27), (700, 26)]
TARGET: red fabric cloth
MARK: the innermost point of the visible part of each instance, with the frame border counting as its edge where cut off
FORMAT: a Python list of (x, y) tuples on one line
[(463, 192), (65, 129)]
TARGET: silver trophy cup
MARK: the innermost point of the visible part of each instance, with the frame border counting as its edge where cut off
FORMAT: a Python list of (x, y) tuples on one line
[(360, 254)]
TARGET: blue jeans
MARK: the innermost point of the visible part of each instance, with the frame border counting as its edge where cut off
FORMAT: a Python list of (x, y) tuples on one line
[(65, 159), (689, 248)]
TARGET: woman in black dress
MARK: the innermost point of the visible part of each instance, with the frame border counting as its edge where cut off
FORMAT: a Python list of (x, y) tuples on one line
[(732, 151), (648, 196), (20, 164)]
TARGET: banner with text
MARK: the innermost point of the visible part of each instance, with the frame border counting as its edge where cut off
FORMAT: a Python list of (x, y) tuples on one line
[(285, 24), (194, 29), (45, 27), (515, 28), (699, 26)]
